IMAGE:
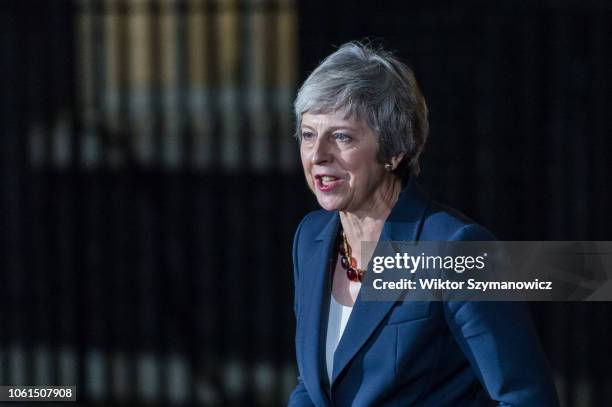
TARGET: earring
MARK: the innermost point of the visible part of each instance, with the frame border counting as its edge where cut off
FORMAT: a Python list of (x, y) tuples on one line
[(389, 167)]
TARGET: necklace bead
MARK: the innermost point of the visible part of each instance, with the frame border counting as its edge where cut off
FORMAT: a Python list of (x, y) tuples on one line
[(344, 262), (348, 262), (352, 274)]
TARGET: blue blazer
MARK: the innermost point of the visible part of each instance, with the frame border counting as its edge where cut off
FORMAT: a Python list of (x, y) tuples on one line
[(412, 353)]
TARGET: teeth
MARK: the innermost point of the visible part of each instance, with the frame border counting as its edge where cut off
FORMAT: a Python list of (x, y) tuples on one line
[(326, 178)]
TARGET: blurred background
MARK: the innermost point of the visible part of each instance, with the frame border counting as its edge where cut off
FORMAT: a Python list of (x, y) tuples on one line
[(150, 185)]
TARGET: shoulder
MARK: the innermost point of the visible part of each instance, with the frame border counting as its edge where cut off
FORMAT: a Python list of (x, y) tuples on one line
[(312, 224), (443, 223), (309, 228)]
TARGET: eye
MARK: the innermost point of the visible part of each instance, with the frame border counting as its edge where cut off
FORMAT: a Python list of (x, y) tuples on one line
[(307, 136), (342, 137)]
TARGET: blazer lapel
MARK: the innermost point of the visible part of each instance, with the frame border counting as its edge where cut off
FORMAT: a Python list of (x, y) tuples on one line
[(316, 274), (403, 224)]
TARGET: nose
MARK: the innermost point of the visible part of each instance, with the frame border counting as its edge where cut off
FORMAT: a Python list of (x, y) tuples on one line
[(321, 151)]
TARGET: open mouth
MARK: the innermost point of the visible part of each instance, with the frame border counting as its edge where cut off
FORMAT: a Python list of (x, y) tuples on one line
[(326, 182)]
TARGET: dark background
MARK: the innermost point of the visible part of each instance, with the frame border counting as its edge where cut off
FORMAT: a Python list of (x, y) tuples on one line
[(163, 281)]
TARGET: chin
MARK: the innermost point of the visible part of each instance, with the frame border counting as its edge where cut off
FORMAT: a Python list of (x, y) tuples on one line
[(329, 205)]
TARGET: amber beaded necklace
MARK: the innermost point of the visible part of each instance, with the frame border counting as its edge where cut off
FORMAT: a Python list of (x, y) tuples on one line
[(348, 262)]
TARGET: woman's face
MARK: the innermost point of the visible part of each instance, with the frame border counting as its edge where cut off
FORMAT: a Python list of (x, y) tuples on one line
[(339, 160)]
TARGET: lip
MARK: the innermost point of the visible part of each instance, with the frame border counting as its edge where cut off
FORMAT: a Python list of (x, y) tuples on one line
[(329, 186)]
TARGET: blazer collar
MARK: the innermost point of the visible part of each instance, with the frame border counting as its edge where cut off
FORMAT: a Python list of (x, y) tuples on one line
[(406, 218), (317, 276), (404, 223)]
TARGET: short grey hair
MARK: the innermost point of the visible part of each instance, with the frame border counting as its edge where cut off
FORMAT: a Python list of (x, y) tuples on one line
[(374, 86)]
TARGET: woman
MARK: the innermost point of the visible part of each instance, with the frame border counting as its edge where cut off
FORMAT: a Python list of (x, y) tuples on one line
[(362, 124)]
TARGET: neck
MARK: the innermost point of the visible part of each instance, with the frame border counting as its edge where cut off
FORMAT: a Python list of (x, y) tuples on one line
[(366, 223)]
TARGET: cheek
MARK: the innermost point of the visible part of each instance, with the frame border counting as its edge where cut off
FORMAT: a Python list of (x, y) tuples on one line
[(364, 177), (359, 172)]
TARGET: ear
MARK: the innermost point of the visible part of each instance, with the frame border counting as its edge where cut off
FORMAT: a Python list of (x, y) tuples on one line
[(396, 159)]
